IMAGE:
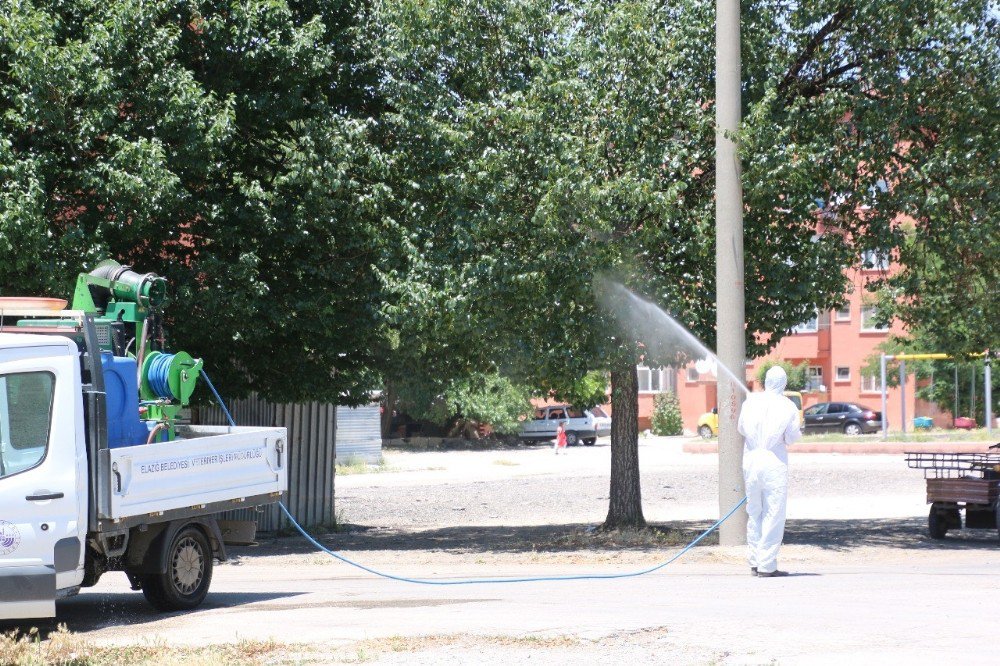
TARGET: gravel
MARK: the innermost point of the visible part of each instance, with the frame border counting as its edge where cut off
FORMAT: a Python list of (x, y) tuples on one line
[(524, 487)]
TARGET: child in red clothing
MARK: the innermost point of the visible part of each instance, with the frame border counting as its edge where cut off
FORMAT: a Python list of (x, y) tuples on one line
[(560, 437)]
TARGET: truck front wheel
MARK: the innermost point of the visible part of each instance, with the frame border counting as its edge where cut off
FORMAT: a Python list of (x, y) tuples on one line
[(184, 584)]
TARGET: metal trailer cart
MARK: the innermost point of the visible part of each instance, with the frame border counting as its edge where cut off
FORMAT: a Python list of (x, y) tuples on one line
[(957, 481)]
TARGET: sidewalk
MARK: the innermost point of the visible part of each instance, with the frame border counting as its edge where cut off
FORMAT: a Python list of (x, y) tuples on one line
[(862, 447)]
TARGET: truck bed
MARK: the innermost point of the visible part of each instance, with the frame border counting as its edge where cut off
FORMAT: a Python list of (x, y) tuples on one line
[(206, 466)]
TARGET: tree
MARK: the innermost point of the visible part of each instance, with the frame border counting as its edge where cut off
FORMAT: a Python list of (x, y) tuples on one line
[(556, 146), (222, 145), (943, 180), (465, 404), (667, 415), (796, 373)]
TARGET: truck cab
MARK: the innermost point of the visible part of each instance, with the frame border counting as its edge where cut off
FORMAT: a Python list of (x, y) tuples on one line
[(43, 473)]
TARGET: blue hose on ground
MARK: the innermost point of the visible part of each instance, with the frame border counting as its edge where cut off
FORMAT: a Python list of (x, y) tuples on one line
[(479, 581), (531, 579)]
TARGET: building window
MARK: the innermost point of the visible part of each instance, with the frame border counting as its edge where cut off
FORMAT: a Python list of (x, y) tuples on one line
[(654, 380), (843, 373), (868, 316), (643, 373), (693, 374), (814, 378), (808, 326), (871, 383), (875, 260), (844, 313)]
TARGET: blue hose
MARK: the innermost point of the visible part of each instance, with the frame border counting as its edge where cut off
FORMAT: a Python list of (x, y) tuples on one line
[(531, 579), (480, 581), (159, 374), (225, 411)]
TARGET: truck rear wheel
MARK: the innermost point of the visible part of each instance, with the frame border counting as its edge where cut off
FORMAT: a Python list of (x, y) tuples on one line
[(184, 584)]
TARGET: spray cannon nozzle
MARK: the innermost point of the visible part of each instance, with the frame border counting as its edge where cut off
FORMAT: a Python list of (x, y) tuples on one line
[(123, 284)]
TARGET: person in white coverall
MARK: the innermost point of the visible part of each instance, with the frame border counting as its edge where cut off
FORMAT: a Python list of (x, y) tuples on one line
[(769, 422)]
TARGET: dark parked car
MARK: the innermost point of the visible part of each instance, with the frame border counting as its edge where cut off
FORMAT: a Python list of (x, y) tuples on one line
[(849, 418)]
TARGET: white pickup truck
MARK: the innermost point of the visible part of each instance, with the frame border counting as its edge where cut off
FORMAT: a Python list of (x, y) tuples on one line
[(74, 508), (582, 425)]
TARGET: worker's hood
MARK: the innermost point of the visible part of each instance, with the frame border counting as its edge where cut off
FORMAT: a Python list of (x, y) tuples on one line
[(775, 380)]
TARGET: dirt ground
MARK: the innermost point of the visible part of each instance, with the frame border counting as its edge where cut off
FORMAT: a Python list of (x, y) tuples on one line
[(869, 585)]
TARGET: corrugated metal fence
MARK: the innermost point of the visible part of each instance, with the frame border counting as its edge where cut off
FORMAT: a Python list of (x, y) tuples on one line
[(359, 433), (312, 429)]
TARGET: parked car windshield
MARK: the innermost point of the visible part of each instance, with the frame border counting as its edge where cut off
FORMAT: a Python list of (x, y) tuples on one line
[(598, 412)]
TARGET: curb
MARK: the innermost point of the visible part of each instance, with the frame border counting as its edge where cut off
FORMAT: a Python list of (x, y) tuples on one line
[(864, 448)]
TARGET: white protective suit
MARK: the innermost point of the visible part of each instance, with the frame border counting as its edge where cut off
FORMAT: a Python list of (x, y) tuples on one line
[(769, 422)]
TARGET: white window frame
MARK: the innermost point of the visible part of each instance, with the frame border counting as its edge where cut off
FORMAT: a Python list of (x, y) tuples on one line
[(871, 383), (814, 377), (692, 374), (869, 312), (837, 373), (808, 326), (843, 314), (879, 260), (643, 373), (646, 375)]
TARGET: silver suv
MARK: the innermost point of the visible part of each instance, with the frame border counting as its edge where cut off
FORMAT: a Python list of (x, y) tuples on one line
[(581, 425)]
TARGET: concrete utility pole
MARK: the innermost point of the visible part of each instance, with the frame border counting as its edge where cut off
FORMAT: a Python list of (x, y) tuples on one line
[(730, 319)]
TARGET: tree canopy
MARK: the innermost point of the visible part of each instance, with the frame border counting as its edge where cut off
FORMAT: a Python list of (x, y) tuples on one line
[(222, 145)]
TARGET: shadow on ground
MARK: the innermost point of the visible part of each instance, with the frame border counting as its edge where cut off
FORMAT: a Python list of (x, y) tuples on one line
[(90, 611), (833, 535)]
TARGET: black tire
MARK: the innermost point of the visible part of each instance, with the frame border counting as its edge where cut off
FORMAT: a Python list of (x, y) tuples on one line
[(184, 584), (852, 429), (572, 439), (996, 512), (705, 432), (590, 441), (937, 523)]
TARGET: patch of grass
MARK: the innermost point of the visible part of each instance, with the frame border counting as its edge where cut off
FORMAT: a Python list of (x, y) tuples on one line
[(68, 649), (373, 648), (355, 464), (651, 536)]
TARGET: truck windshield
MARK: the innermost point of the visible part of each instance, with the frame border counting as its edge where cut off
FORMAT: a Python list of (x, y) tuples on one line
[(25, 415)]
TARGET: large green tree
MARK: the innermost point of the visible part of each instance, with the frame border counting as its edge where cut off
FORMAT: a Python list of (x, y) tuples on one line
[(944, 179), (553, 145), (221, 144)]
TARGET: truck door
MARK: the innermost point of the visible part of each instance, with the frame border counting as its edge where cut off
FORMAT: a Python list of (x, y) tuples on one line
[(42, 479)]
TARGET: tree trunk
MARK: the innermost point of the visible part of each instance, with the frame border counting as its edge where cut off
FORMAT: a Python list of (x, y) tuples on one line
[(625, 507), (388, 407)]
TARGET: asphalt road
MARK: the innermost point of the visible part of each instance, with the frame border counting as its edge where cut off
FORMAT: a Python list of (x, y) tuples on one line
[(869, 585)]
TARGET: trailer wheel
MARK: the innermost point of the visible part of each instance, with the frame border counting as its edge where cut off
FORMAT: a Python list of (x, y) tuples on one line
[(184, 584), (997, 514), (939, 520)]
